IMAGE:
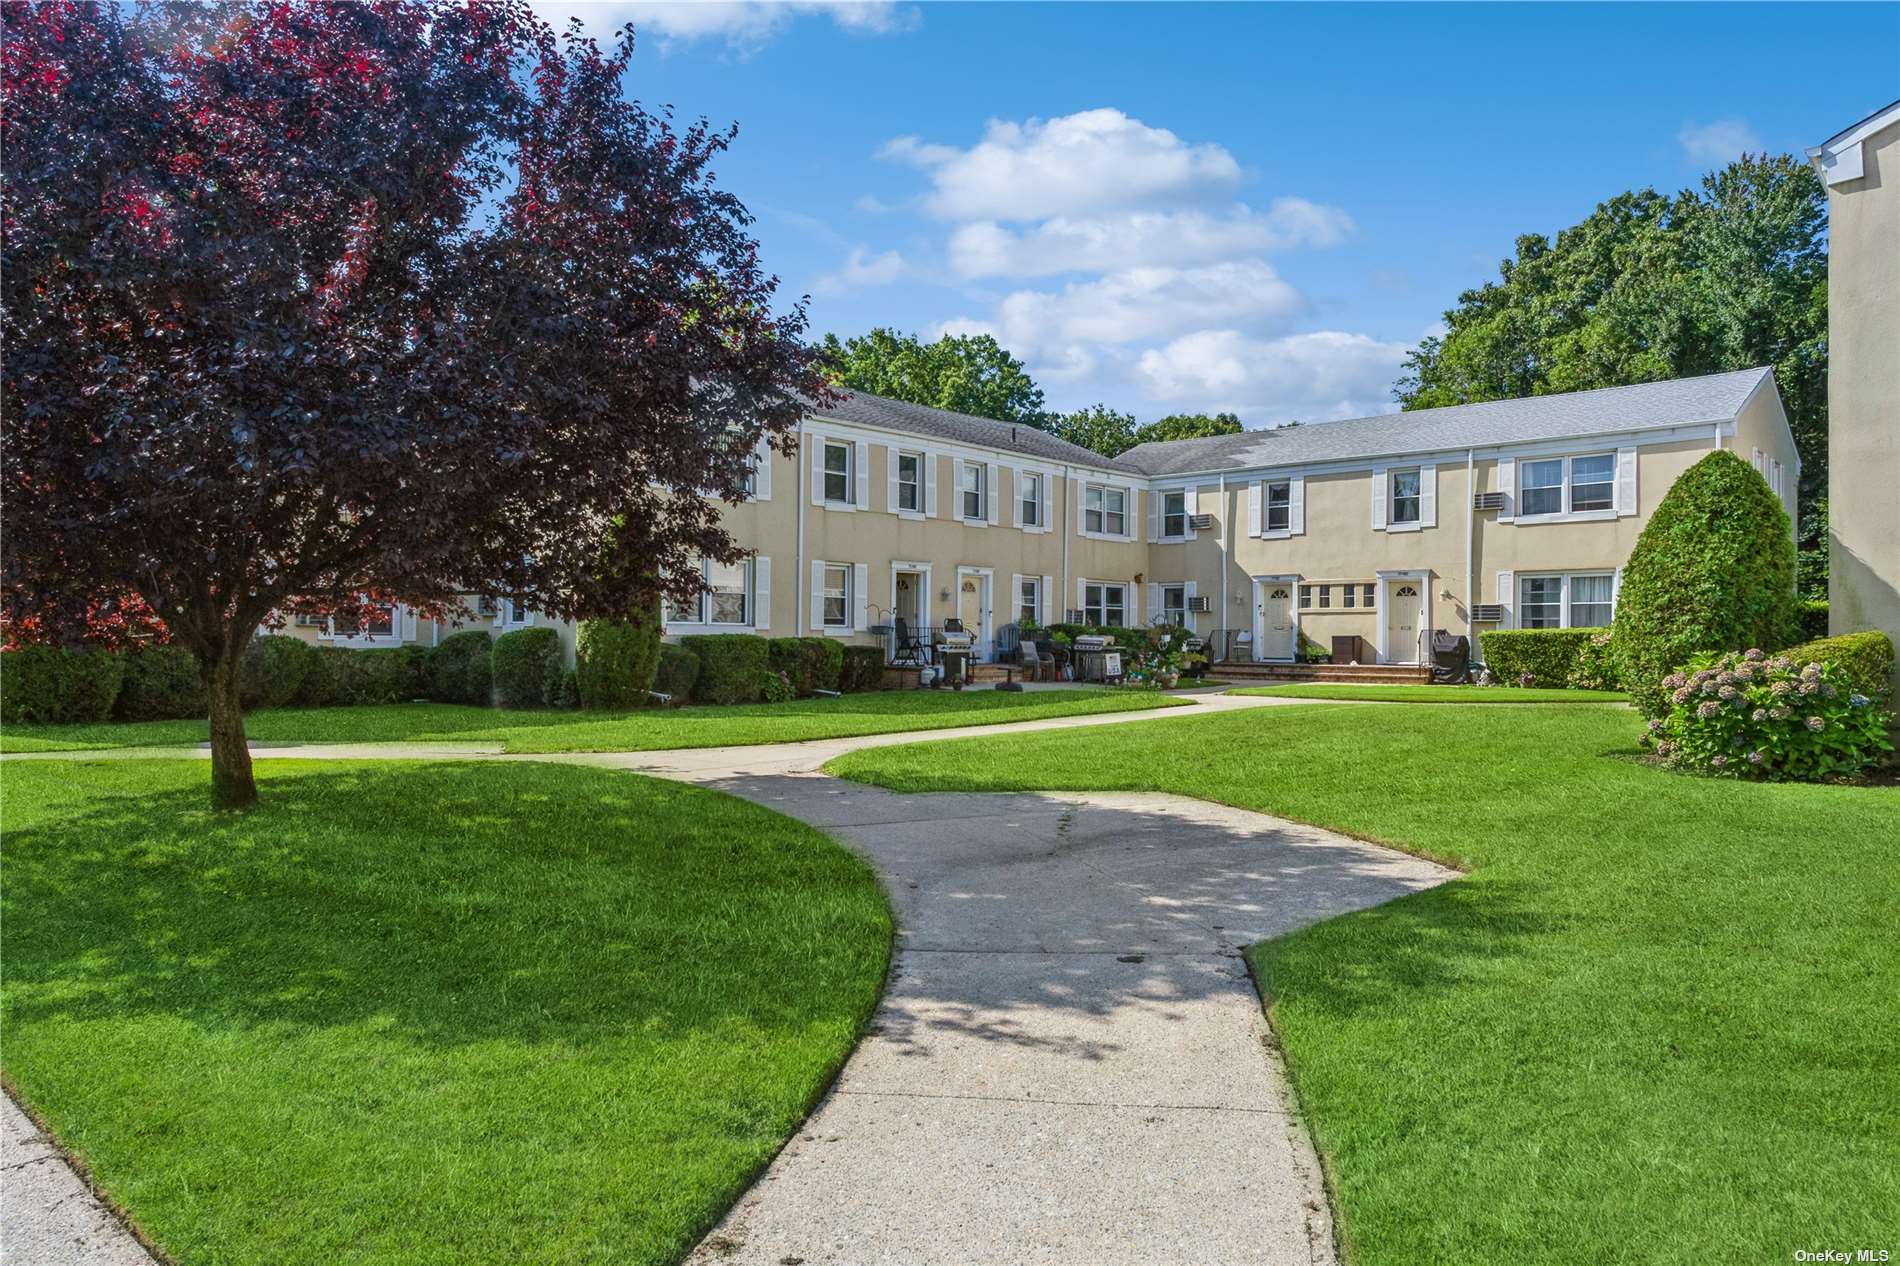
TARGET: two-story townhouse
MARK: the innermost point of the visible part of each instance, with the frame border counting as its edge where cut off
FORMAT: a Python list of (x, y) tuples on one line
[(1511, 513)]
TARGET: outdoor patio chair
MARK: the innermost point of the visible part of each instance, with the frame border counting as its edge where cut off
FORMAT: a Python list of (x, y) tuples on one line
[(909, 652)]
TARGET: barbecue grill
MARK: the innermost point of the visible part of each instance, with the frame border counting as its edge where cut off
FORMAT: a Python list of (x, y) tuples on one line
[(955, 645), (1451, 658), (1097, 659)]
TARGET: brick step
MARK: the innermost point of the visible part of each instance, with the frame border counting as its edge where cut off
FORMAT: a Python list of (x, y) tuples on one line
[(1387, 674)]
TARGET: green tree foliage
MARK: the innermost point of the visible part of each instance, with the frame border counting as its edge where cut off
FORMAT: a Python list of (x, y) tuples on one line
[(1712, 571), (1188, 426), (968, 373), (1726, 276), (1097, 428)]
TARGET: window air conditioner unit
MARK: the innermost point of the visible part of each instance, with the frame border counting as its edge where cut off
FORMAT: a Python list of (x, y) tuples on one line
[(1200, 603), (1076, 617), (1488, 611), (1201, 522), (1487, 501)]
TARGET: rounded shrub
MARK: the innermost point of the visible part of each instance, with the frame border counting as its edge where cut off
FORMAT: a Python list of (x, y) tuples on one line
[(1745, 714), (863, 669), (48, 685), (1712, 571), (272, 669), (615, 661), (1864, 659), (520, 661), (323, 678), (774, 687), (162, 683), (731, 666), (677, 673), (459, 669)]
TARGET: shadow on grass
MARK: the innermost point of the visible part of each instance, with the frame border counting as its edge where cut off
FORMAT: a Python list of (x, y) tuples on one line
[(453, 903)]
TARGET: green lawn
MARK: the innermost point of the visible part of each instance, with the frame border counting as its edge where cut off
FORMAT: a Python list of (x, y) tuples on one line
[(878, 712), (412, 1013), (1435, 694), (1655, 1022)]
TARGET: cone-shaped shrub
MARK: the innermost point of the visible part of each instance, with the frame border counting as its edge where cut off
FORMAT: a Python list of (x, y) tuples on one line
[(1712, 571)]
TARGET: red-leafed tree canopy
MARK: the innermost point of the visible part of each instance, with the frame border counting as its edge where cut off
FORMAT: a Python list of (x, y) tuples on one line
[(305, 299)]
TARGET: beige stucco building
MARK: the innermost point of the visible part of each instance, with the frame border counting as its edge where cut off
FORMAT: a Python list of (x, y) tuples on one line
[(1861, 168), (1513, 513)]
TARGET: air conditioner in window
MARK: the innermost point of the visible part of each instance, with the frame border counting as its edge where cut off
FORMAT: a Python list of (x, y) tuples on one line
[(1201, 522), (1487, 501), (1076, 616), (1487, 611), (1200, 603)]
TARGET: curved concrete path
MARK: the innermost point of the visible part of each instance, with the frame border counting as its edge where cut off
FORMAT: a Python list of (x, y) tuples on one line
[(1069, 1066)]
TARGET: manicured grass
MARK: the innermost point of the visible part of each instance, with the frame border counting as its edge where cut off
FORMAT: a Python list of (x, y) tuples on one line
[(1654, 1022), (1435, 694), (423, 1013), (878, 712)]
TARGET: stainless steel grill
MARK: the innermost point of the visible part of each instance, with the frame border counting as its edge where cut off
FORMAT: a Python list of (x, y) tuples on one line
[(955, 647), (1096, 658)]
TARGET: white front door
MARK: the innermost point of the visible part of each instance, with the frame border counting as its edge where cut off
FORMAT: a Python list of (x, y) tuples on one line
[(1273, 626), (1404, 607), (973, 608)]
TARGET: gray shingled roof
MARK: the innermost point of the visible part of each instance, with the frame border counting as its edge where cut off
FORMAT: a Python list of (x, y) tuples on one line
[(1709, 398), (964, 428)]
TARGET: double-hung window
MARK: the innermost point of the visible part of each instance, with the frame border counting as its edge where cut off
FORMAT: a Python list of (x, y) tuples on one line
[(1104, 605), (837, 596), (1405, 496), (1029, 600), (975, 493), (1593, 482), (1279, 506), (1030, 495), (1573, 601), (1553, 485), (838, 481), (1542, 490), (514, 610), (1105, 510), (910, 482), (1174, 514), (1174, 604), (726, 598)]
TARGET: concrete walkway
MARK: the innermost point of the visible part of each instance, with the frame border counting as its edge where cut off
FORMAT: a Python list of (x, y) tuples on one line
[(48, 1216), (1069, 1065)]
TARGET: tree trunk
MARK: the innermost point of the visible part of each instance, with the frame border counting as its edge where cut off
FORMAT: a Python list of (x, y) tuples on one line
[(232, 786)]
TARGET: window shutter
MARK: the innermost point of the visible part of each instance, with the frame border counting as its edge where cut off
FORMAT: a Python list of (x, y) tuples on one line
[(1254, 519), (1015, 496), (1754, 459), (762, 470), (1296, 505), (1507, 484), (817, 470), (1044, 596), (1081, 596), (1154, 602), (861, 460), (761, 593), (992, 491), (1012, 612), (1616, 589), (1154, 515), (890, 479), (1507, 600), (930, 484), (818, 594), (1625, 481), (1428, 496), (1075, 507), (1191, 506), (1381, 485), (860, 595), (1043, 505), (956, 487)]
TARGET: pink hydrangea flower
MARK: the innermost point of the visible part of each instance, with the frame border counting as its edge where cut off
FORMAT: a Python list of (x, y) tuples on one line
[(1718, 761), (1816, 724), (1707, 708)]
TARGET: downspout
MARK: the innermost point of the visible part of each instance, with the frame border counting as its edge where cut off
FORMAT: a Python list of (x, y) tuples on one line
[(1471, 539), (1068, 491), (1718, 437), (1225, 557), (798, 579)]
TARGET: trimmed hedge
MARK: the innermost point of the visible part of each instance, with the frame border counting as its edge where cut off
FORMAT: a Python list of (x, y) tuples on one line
[(1549, 656), (1864, 659), (863, 669), (809, 663), (615, 661), (1813, 616), (162, 683), (367, 677), (1125, 638), (731, 666), (47, 685), (272, 670), (460, 670), (677, 673), (1712, 571), (519, 662), (323, 679)]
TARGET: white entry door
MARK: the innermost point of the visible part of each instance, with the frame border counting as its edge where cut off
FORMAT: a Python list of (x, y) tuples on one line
[(1273, 623), (973, 609), (1404, 611)]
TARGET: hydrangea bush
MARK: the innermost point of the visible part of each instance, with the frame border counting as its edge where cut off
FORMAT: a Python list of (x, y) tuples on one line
[(1745, 715)]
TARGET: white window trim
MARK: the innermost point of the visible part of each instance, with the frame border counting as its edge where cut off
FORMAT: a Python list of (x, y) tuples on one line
[(1292, 499), (1611, 574), (892, 455), (1082, 601), (857, 473), (755, 570), (1045, 480), (1389, 481), (1567, 515), (1188, 510), (1131, 511), (985, 490), (397, 615), (856, 582)]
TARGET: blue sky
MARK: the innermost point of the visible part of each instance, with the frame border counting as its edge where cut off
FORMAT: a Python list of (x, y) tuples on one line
[(1229, 206)]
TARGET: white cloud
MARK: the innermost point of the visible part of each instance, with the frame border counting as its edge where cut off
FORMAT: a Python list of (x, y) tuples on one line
[(1322, 376), (1140, 304), (1084, 163), (1093, 244), (1718, 143), (862, 269), (743, 23)]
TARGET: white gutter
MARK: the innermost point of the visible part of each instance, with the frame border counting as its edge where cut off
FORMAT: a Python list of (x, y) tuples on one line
[(1226, 559), (1068, 491), (798, 580), (1471, 535)]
